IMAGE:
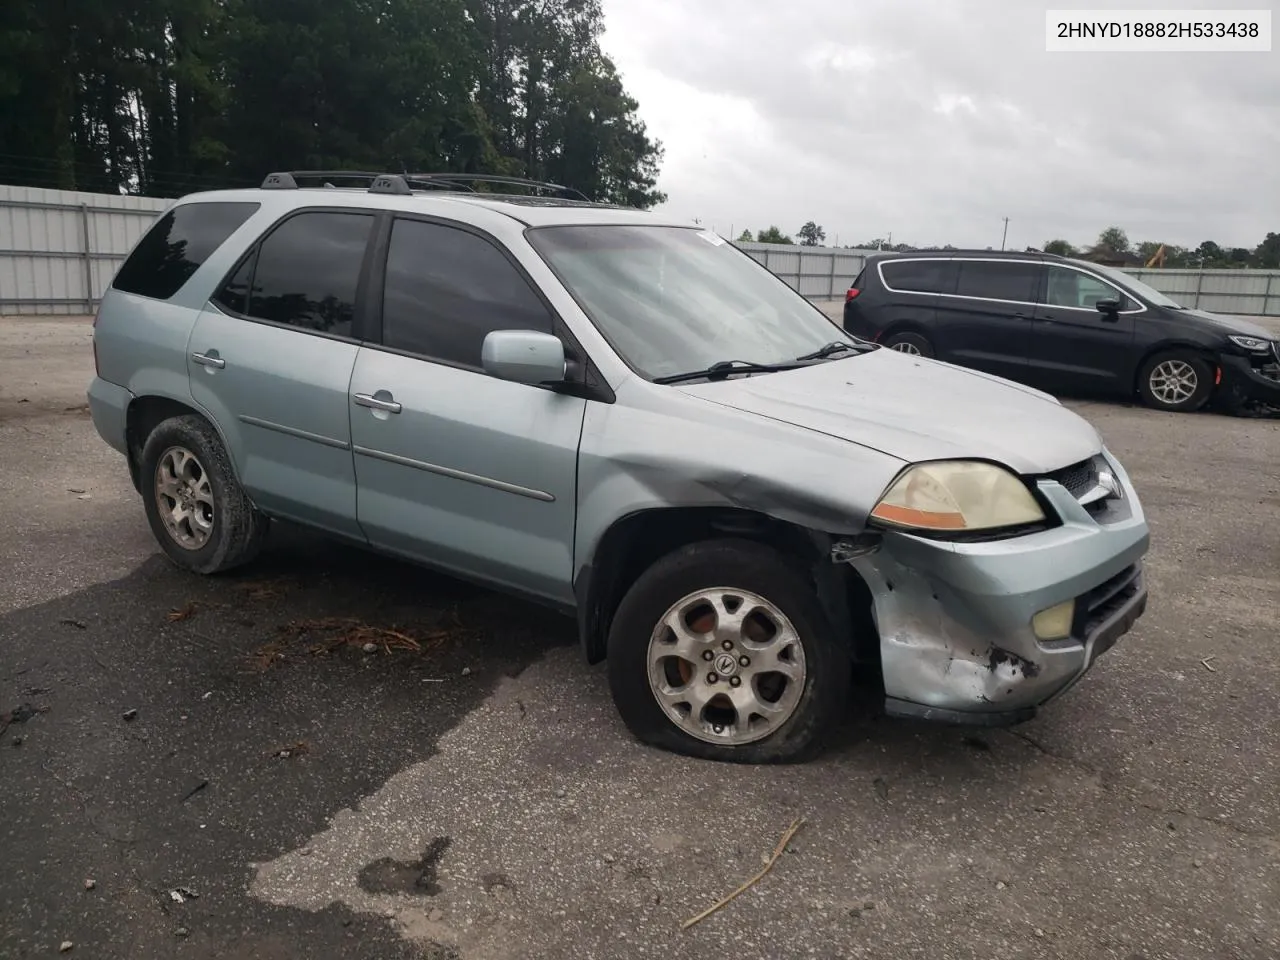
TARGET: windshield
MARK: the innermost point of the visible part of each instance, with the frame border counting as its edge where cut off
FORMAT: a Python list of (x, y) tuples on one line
[(673, 299), (1131, 283)]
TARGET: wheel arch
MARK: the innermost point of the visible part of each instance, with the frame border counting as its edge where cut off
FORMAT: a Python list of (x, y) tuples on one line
[(635, 541), (145, 413)]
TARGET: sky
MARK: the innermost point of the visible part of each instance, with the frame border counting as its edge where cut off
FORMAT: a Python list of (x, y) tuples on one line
[(935, 119)]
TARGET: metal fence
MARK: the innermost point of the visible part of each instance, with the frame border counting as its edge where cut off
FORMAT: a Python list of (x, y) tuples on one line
[(59, 251)]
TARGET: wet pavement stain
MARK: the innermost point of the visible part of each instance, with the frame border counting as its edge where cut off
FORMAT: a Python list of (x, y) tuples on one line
[(397, 876)]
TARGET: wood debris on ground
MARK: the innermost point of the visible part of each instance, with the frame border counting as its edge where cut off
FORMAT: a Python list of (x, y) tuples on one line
[(328, 634), (768, 865)]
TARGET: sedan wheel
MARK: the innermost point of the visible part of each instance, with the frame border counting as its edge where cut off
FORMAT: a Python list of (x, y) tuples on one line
[(906, 346)]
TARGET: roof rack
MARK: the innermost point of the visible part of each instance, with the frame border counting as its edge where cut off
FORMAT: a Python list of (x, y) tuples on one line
[(403, 184)]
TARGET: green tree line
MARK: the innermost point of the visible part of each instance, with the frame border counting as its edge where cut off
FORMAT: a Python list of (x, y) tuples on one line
[(1266, 255), (167, 96)]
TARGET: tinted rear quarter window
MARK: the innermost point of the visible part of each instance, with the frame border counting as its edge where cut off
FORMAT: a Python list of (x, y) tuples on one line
[(305, 273), (446, 289), (994, 280), (916, 276), (177, 245)]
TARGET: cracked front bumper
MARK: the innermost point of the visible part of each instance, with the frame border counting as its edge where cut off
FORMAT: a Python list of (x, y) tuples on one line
[(955, 619)]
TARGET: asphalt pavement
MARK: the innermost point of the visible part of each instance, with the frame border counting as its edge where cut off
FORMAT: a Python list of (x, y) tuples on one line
[(217, 768)]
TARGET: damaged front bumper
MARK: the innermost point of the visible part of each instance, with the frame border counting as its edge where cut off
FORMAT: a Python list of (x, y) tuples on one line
[(955, 618)]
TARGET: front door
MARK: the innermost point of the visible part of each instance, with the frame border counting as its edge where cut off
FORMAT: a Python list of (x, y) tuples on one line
[(985, 323), (456, 468), (270, 361), (1074, 348)]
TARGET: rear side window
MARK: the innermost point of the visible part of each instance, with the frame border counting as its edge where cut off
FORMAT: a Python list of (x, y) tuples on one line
[(915, 276), (446, 289), (176, 246), (304, 274), (994, 280)]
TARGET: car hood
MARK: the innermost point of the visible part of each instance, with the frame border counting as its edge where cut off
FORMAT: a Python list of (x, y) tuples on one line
[(1232, 324), (916, 409)]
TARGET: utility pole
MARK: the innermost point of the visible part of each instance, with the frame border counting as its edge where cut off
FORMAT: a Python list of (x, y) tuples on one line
[(1004, 236)]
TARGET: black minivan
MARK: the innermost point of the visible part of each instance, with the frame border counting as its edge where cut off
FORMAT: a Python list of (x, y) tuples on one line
[(1063, 325)]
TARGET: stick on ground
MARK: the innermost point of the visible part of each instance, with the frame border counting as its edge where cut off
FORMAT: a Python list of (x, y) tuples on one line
[(777, 852)]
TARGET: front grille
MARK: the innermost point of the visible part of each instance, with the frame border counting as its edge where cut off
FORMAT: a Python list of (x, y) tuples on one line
[(1095, 606), (1079, 478)]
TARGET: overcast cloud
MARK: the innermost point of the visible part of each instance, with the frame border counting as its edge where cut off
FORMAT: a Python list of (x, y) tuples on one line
[(933, 119)]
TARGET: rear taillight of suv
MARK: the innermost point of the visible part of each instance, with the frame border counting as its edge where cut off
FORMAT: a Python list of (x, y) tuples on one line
[(852, 294)]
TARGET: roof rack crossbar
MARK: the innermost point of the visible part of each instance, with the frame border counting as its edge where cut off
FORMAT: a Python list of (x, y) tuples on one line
[(403, 184), (466, 178)]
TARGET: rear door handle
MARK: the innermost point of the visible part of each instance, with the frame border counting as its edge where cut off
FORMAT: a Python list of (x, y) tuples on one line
[(377, 403), (207, 361)]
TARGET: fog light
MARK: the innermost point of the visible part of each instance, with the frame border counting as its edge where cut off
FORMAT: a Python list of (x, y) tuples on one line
[(1055, 622)]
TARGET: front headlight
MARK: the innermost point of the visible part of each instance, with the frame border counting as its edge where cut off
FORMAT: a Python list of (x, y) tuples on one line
[(1256, 344), (957, 495)]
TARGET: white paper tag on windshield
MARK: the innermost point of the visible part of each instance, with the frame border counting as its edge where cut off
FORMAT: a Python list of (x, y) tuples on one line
[(714, 239)]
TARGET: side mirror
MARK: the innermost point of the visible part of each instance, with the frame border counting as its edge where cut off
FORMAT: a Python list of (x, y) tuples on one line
[(1107, 305), (523, 356)]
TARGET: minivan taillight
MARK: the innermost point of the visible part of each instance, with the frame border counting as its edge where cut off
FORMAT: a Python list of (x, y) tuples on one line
[(853, 292)]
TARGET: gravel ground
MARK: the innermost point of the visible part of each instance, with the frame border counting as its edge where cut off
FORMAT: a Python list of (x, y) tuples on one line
[(479, 799)]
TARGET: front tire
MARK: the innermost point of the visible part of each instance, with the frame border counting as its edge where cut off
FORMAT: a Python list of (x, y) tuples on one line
[(199, 513), (1175, 380), (914, 344), (721, 650)]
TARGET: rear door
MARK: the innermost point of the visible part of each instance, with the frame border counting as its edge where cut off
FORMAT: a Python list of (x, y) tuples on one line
[(1075, 348), (456, 468), (986, 322), (271, 359)]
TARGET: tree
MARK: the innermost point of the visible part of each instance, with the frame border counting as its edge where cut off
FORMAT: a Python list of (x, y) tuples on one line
[(746, 237), (163, 97), (1267, 254), (772, 235), (1060, 248), (1113, 240), (811, 235), (1208, 254)]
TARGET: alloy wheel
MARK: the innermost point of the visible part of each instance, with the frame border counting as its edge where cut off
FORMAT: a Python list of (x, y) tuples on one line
[(726, 666)]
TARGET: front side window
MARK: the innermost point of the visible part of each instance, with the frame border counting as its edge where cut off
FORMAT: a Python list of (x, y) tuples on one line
[(997, 280), (304, 274), (446, 289), (177, 245), (674, 299), (1071, 288), (1127, 281)]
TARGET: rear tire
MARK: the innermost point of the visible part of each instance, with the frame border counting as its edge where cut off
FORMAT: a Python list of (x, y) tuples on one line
[(716, 697), (1175, 380), (199, 513), (914, 344)]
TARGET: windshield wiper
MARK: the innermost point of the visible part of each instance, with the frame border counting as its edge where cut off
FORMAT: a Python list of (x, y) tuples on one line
[(722, 369), (834, 347)]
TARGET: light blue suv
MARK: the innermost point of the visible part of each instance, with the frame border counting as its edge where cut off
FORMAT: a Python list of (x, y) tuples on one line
[(628, 419)]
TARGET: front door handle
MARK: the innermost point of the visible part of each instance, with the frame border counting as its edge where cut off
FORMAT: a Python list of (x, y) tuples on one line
[(377, 403), (205, 360)]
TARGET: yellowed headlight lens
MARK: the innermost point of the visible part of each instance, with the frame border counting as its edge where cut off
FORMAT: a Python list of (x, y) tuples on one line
[(957, 495)]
